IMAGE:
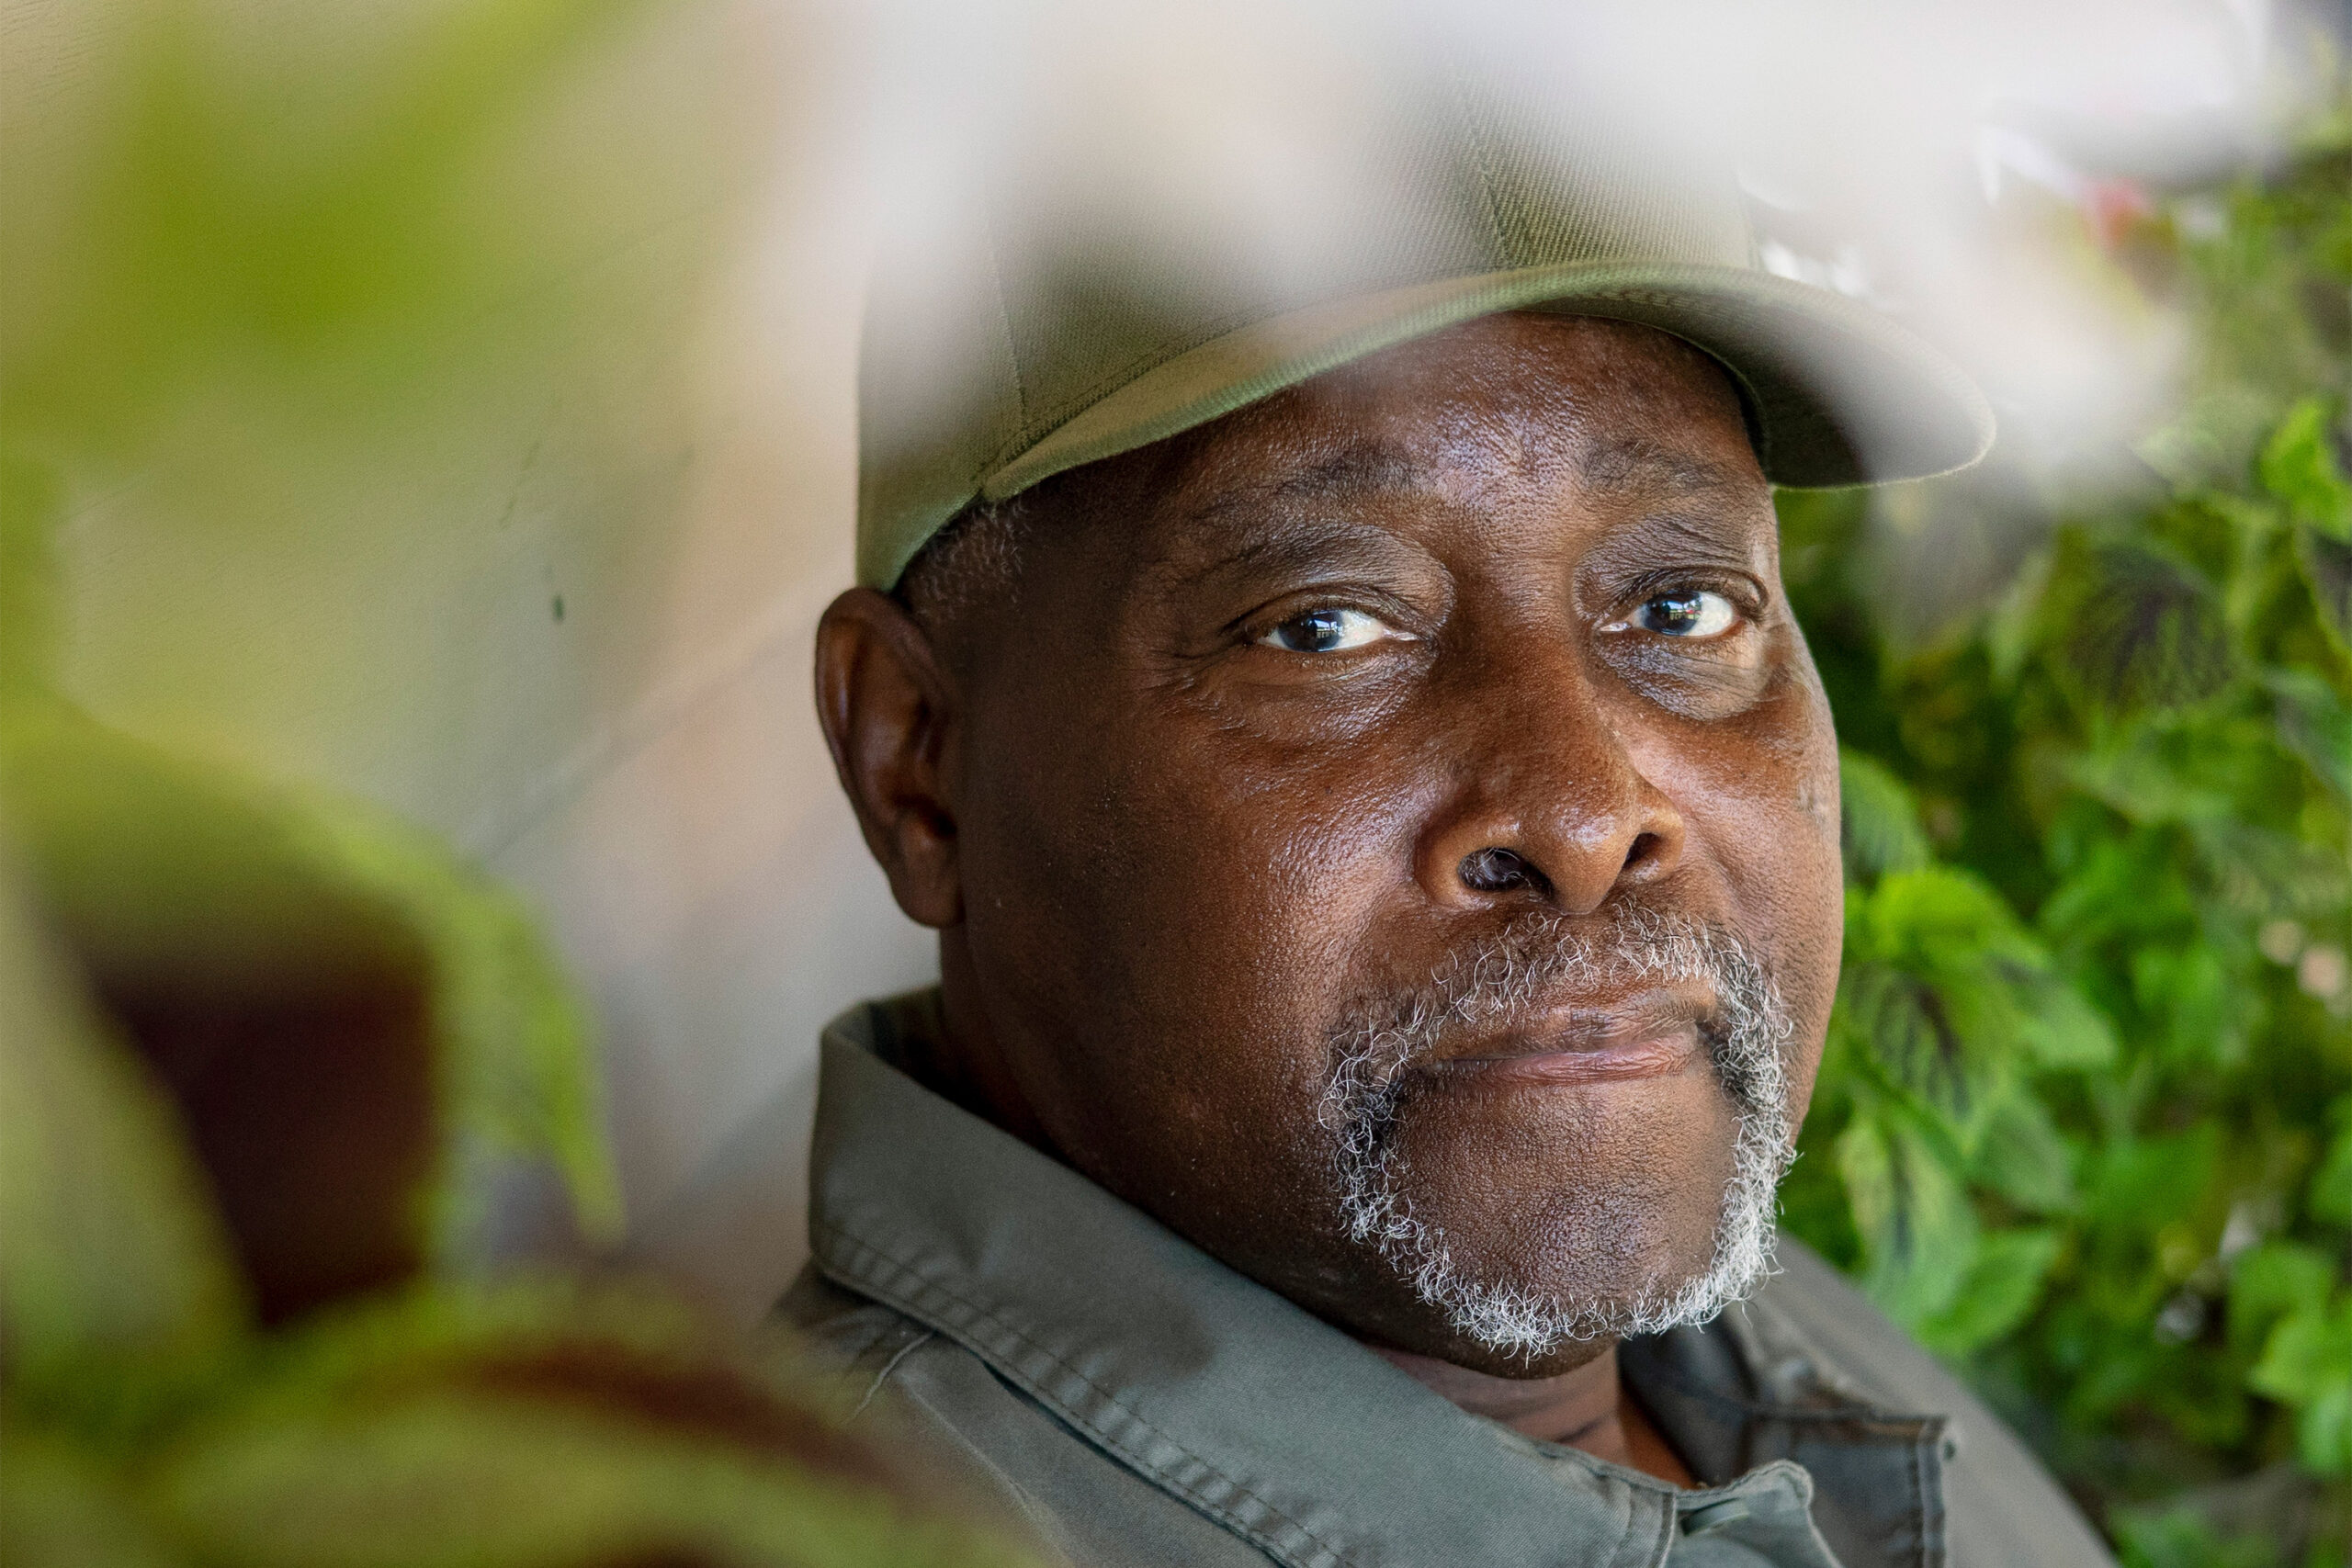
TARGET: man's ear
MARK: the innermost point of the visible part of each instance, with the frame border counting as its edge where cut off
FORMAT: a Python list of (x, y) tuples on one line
[(886, 707)]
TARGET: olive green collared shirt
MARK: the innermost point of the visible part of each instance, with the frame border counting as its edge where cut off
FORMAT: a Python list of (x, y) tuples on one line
[(1133, 1401)]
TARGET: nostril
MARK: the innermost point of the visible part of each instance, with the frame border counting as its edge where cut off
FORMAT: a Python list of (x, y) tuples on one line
[(1490, 871), (1499, 871), (1645, 850)]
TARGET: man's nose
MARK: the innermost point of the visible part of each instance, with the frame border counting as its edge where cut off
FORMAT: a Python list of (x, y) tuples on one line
[(1547, 804)]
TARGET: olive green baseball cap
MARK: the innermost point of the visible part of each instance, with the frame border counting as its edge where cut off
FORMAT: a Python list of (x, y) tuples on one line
[(1056, 343)]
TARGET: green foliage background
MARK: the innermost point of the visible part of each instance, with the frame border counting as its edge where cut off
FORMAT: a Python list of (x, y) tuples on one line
[(2085, 1122)]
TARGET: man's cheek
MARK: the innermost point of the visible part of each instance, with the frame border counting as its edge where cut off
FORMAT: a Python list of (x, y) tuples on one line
[(1758, 849), (1759, 799), (1318, 839)]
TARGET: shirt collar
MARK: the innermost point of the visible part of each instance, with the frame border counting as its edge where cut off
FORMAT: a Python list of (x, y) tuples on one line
[(1197, 1378)]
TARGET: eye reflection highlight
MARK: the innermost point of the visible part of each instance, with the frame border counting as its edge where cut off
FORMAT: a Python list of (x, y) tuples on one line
[(1328, 631), (1695, 614)]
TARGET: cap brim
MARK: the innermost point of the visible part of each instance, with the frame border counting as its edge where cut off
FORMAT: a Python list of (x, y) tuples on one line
[(1839, 394)]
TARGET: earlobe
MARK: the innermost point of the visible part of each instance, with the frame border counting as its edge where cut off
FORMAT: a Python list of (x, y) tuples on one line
[(886, 707)]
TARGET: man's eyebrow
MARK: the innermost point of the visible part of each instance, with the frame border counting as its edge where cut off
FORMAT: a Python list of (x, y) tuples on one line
[(1624, 463), (1289, 546), (1349, 474)]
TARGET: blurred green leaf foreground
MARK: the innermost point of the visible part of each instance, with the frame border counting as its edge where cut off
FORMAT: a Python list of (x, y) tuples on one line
[(249, 1043), (259, 1045)]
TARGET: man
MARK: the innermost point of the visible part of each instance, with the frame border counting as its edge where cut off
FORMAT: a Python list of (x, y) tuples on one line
[(1382, 825)]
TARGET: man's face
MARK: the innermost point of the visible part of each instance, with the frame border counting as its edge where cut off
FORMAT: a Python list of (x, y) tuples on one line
[(1395, 839)]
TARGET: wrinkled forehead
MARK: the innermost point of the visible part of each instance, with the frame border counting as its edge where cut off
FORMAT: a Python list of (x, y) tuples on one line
[(1502, 410)]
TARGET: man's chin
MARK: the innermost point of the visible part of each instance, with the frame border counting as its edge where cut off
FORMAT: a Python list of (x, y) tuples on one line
[(1514, 1315), (1515, 1332), (1516, 1288)]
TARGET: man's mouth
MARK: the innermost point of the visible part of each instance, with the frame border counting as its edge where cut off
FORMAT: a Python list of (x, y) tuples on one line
[(1650, 1034)]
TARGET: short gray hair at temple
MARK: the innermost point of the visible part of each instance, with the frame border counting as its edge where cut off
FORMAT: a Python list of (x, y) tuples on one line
[(972, 562), (1749, 1043)]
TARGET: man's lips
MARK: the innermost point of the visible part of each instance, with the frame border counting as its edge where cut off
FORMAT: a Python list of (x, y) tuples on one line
[(1649, 1034)]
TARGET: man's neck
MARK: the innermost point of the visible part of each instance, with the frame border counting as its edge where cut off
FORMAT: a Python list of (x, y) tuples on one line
[(1588, 1409)]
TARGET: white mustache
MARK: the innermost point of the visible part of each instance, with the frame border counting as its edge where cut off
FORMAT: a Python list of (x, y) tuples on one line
[(1515, 973)]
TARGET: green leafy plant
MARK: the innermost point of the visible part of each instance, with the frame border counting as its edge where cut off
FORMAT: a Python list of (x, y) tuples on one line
[(2085, 1120), (248, 1038)]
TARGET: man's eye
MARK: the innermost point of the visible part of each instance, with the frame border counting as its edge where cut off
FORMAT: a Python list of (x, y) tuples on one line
[(1327, 631), (1692, 615)]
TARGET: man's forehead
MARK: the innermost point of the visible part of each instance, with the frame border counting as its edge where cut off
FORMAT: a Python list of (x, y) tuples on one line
[(1375, 466), (1611, 409)]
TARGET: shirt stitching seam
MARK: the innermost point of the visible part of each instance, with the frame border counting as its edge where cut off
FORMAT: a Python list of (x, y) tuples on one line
[(1156, 1471), (1660, 1545)]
